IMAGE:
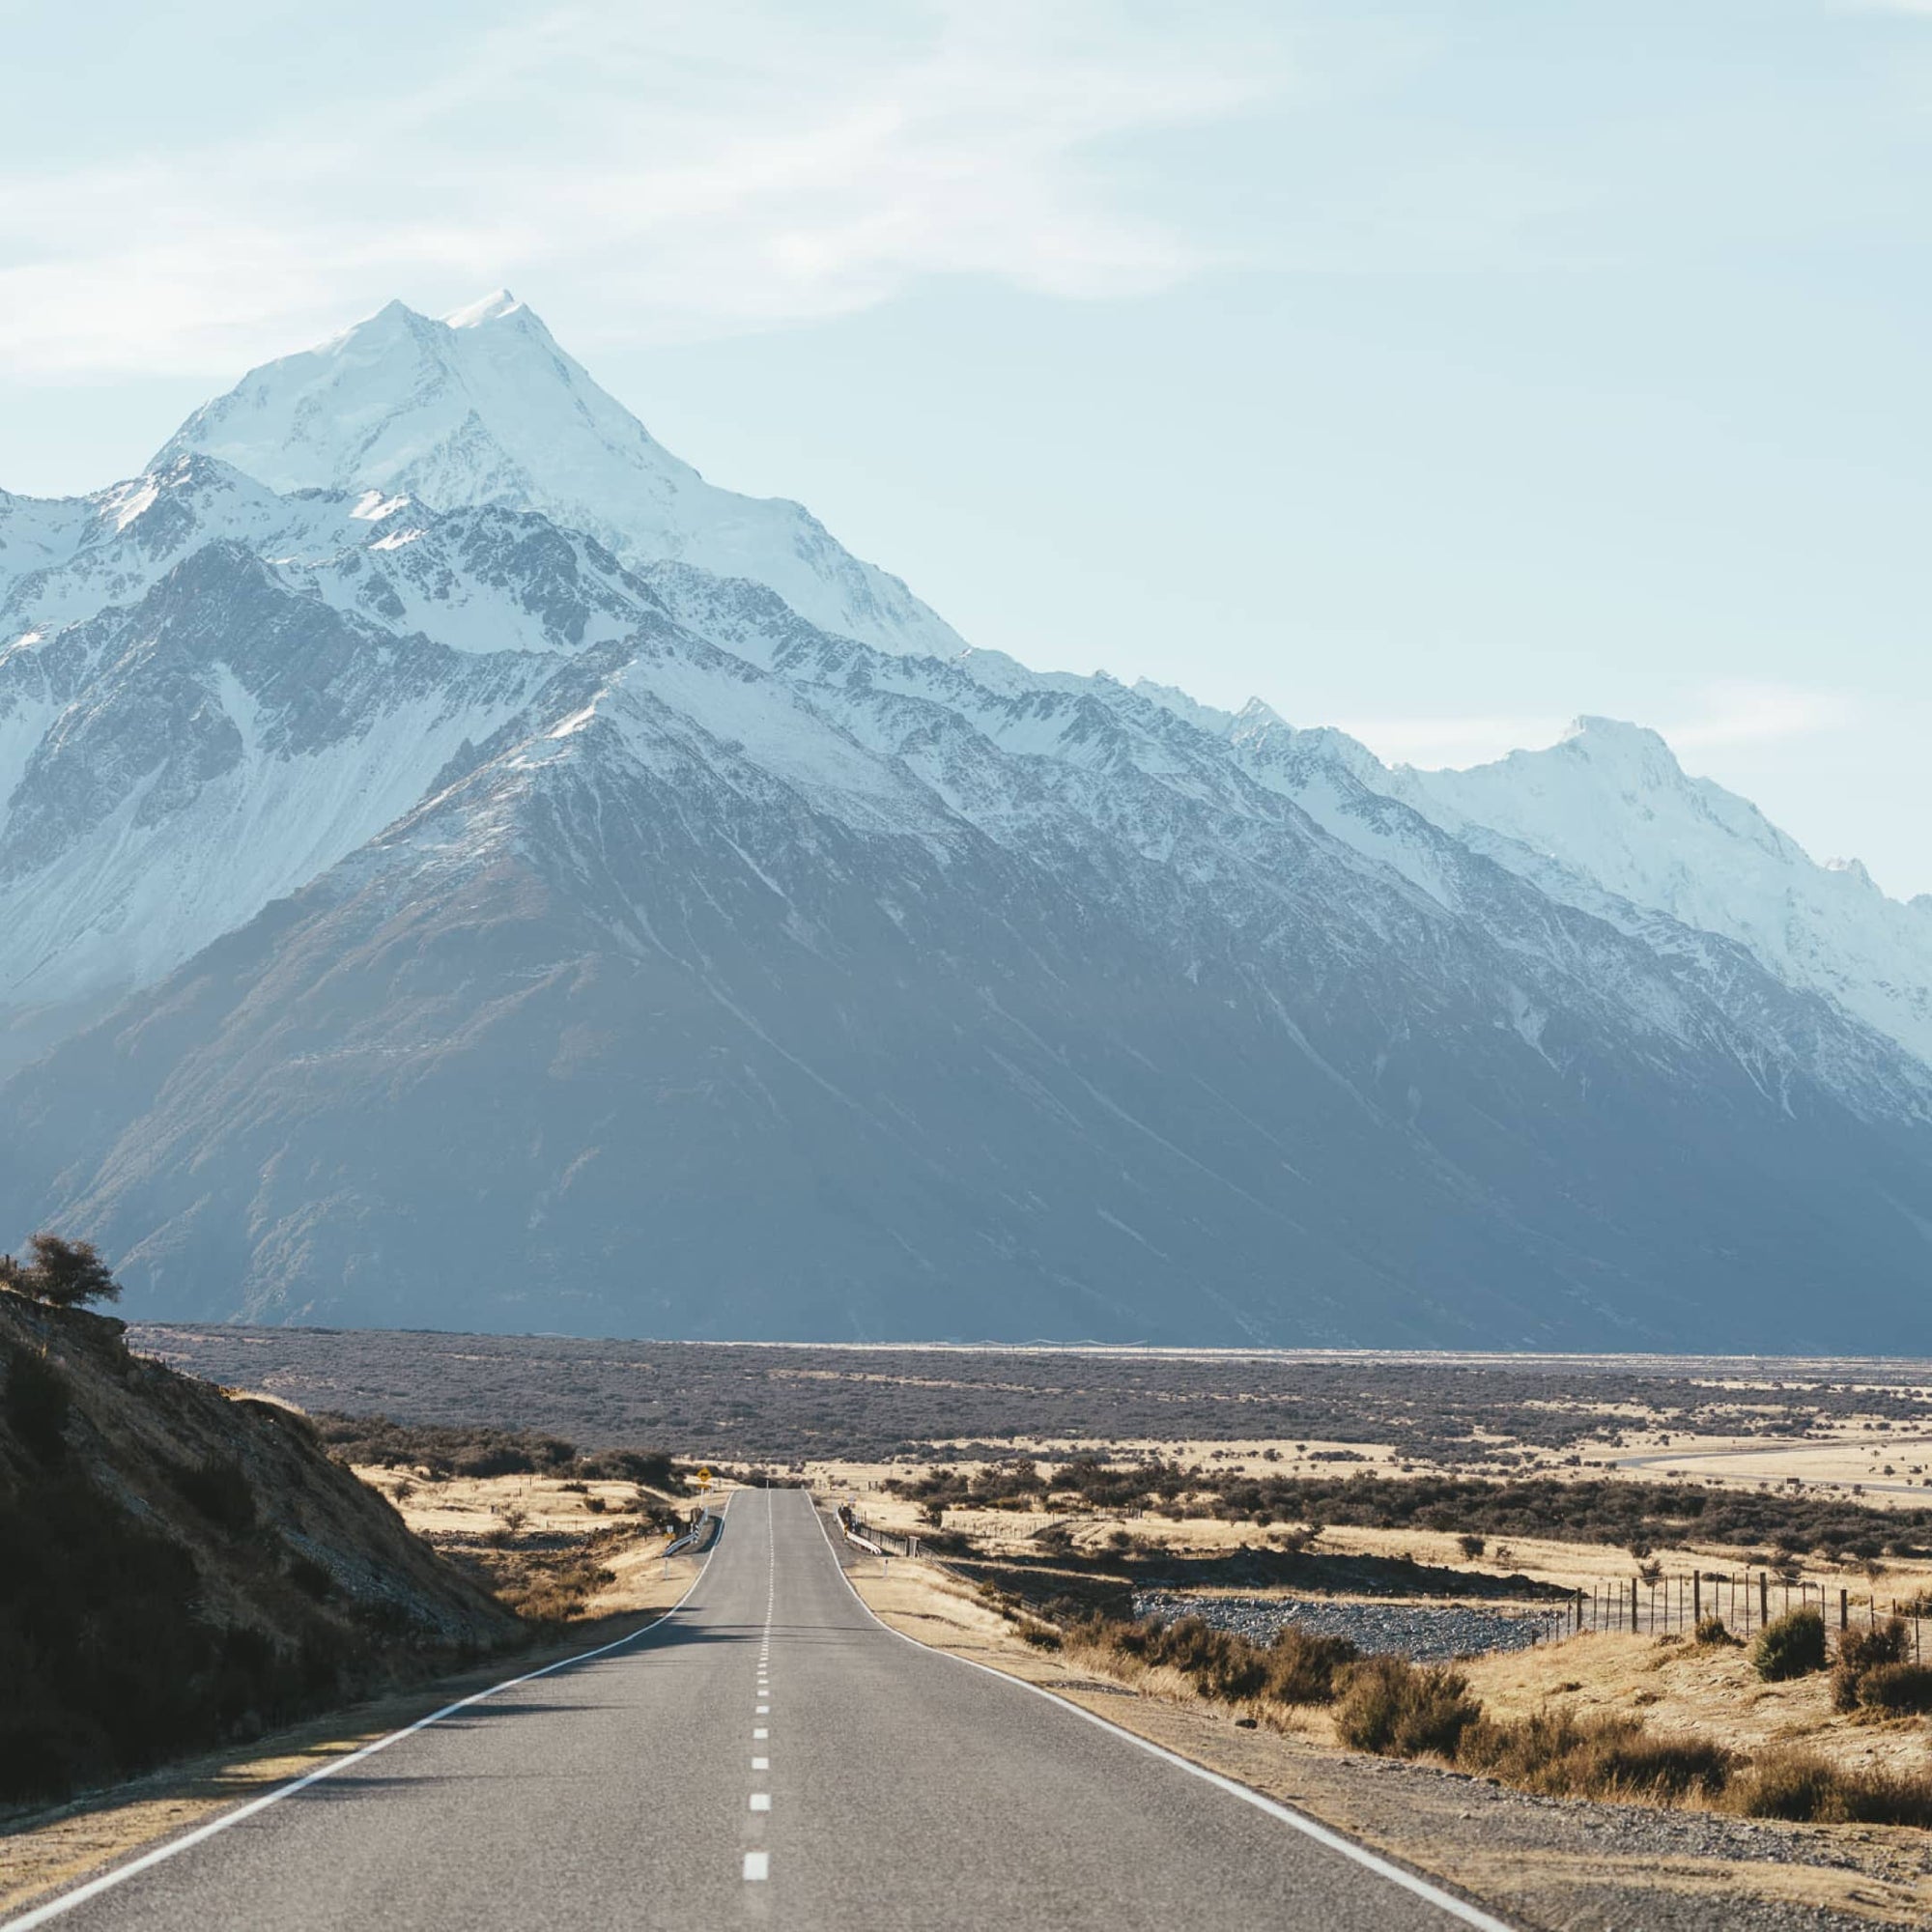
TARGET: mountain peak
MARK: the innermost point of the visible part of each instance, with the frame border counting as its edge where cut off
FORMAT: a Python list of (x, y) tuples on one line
[(482, 407), (493, 307), (1598, 734)]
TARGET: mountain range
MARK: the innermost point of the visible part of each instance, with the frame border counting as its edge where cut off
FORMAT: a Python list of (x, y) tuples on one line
[(458, 867)]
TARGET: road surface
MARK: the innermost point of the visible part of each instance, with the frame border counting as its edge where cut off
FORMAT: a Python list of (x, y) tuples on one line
[(768, 1757)]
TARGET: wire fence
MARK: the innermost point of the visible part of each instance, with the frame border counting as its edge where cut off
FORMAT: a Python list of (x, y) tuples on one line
[(1744, 1600)]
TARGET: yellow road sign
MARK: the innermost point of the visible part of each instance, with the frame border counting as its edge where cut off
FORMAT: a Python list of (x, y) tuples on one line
[(704, 1479)]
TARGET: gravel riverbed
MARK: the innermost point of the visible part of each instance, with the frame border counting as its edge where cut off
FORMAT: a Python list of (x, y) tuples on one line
[(1429, 1633)]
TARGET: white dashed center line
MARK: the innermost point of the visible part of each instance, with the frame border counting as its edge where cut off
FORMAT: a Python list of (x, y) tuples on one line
[(758, 1864)]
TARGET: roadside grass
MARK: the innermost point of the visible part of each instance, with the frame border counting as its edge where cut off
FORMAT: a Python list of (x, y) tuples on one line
[(1390, 1707)]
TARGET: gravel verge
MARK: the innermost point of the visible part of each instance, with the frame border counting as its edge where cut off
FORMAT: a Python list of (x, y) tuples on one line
[(1429, 1633)]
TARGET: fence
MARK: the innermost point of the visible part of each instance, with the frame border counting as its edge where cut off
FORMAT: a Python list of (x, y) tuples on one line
[(1744, 1600)]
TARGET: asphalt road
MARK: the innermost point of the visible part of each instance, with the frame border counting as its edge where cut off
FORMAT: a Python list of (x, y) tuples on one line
[(768, 1757)]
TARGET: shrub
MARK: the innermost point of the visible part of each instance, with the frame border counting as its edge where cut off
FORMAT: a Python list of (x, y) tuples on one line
[(220, 1490), (1711, 1630), (36, 1404), (1896, 1688), (1864, 1650), (1861, 1650), (1471, 1545), (1557, 1754), (1399, 1708), (1796, 1785), (1302, 1665), (1790, 1646)]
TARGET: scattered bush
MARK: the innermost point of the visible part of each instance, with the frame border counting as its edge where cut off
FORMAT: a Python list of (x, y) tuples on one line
[(1471, 1545), (1864, 1650), (1711, 1630), (1807, 1790), (552, 1588), (442, 1450), (1790, 1646), (1897, 1688), (1298, 1668), (1398, 1709), (1557, 1754), (1860, 1650)]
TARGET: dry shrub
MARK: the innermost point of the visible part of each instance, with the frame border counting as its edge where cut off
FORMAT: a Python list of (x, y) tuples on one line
[(1860, 1651), (1398, 1709), (547, 1589), (1711, 1630), (1807, 1789), (1897, 1688), (1302, 1665), (1298, 1668), (1558, 1754), (1790, 1646)]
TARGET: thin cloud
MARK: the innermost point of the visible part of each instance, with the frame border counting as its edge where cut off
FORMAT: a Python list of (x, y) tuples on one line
[(1759, 714), (1726, 717), (712, 168)]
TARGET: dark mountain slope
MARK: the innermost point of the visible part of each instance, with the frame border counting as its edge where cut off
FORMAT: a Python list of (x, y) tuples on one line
[(643, 1026)]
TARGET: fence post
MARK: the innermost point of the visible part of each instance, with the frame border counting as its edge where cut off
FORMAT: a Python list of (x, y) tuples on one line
[(1698, 1595), (1844, 1608), (1763, 1598), (1633, 1605)]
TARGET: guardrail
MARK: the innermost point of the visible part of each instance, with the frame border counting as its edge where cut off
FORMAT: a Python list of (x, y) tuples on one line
[(879, 1541), (698, 1537)]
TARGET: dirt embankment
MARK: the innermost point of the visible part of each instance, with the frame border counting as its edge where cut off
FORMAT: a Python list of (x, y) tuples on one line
[(180, 1568)]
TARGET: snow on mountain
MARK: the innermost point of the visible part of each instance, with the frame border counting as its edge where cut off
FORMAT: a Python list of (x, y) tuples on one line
[(501, 859), (840, 993), (1608, 820), (483, 407), (169, 766), (476, 580)]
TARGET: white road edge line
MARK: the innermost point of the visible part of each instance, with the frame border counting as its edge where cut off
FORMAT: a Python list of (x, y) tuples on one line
[(758, 1865), (1322, 1834), (41, 1914)]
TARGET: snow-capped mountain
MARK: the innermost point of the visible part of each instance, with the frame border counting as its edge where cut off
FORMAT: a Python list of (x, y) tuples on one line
[(1608, 820), (483, 407), (430, 891)]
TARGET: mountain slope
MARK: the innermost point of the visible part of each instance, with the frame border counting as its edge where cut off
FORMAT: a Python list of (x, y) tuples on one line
[(483, 407), (428, 892), (713, 999)]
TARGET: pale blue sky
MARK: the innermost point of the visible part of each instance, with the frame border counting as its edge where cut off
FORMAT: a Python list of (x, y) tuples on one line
[(1440, 370)]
